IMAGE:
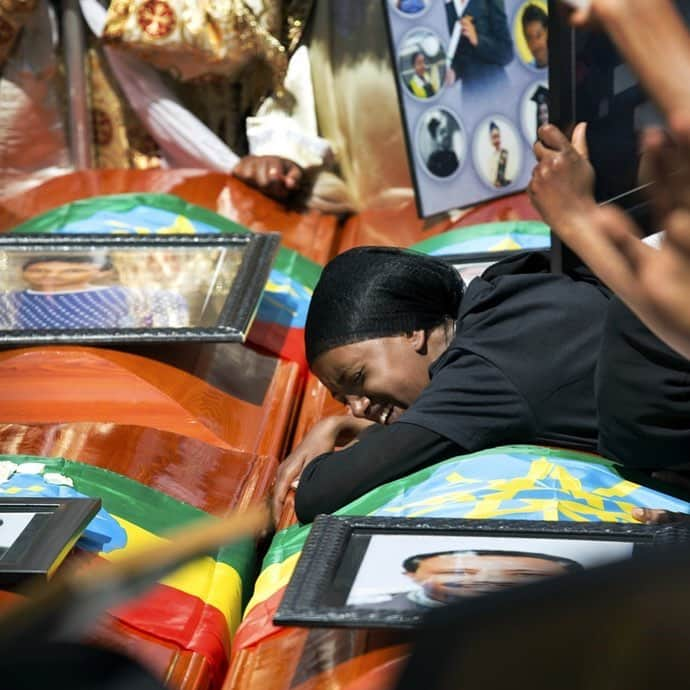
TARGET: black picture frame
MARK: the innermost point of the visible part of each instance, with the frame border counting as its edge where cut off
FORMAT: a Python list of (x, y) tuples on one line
[(321, 586), (42, 532), (189, 288)]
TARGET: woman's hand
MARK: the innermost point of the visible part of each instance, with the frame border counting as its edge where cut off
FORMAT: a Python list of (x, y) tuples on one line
[(323, 437), (276, 177)]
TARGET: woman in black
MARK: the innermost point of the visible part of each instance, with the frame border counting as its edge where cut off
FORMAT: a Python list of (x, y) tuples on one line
[(431, 370)]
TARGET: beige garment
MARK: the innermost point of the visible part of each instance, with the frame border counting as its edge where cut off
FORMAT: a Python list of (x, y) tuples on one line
[(356, 101), (118, 138), (285, 124), (357, 109)]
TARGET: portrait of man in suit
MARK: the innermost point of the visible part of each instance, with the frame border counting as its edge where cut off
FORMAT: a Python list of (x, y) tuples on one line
[(446, 577), (480, 44)]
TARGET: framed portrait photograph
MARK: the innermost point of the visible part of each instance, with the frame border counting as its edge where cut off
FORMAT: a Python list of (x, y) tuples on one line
[(109, 289), (472, 79), (389, 572), (37, 533)]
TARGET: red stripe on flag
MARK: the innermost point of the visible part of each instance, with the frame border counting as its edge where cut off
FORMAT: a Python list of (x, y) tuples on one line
[(258, 624), (285, 342), (186, 620)]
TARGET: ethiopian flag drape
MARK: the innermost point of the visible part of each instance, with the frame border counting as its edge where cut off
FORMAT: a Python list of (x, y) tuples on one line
[(488, 237), (197, 607), (510, 482), (279, 322)]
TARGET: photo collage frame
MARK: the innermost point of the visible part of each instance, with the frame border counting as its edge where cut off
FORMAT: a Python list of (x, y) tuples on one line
[(473, 87)]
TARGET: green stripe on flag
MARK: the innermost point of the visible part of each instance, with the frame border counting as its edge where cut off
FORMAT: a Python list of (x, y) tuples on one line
[(298, 267), (85, 208), (473, 232), (148, 508)]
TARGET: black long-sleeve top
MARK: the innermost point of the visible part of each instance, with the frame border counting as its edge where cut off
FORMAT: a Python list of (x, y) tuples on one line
[(520, 369)]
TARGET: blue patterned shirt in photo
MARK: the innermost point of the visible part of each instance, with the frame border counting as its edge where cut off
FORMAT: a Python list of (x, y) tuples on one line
[(95, 307)]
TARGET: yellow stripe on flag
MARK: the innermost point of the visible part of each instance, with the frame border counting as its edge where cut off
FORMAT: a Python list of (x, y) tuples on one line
[(271, 580), (215, 583)]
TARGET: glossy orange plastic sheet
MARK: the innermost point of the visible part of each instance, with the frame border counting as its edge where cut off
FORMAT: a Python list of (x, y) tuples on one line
[(319, 659), (162, 427), (79, 384)]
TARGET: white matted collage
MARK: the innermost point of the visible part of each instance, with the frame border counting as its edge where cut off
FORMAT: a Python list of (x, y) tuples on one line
[(473, 87)]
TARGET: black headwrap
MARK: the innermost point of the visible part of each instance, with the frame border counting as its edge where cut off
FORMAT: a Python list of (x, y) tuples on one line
[(374, 292)]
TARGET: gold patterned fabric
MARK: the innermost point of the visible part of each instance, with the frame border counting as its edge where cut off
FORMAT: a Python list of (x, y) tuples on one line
[(119, 140), (223, 105), (195, 38), (13, 16)]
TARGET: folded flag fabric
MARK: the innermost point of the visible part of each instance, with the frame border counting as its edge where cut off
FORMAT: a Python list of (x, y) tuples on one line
[(488, 237), (510, 482), (279, 323), (197, 607)]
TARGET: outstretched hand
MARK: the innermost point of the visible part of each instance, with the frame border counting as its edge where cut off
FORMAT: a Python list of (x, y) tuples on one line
[(666, 160), (276, 177)]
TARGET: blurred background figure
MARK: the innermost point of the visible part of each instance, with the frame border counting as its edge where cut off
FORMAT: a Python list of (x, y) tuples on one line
[(319, 138), (480, 45)]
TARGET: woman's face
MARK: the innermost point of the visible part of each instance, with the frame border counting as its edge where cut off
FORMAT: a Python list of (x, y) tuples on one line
[(377, 379)]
